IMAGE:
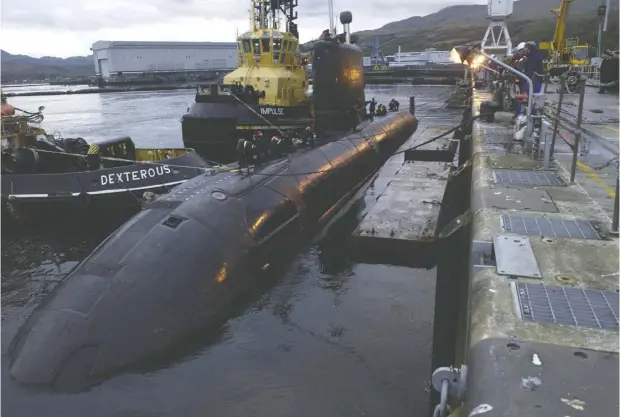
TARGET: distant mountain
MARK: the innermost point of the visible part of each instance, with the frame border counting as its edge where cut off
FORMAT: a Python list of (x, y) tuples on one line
[(16, 68), (468, 14), (531, 20)]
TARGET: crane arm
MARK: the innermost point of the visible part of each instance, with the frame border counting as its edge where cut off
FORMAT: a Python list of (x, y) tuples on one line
[(560, 25)]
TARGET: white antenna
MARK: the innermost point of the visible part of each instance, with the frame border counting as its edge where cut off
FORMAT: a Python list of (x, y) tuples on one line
[(331, 17)]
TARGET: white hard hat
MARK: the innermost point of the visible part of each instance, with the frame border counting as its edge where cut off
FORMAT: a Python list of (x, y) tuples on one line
[(520, 46)]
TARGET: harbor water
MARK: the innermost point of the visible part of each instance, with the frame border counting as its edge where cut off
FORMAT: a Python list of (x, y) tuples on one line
[(324, 337)]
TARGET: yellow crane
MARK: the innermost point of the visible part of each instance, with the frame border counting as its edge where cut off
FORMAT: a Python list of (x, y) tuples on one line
[(564, 51)]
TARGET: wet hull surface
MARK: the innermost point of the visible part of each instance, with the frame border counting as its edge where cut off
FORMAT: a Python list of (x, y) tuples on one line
[(322, 336)]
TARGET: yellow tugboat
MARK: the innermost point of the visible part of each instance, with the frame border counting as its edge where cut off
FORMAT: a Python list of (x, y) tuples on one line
[(265, 99), (266, 93), (272, 68)]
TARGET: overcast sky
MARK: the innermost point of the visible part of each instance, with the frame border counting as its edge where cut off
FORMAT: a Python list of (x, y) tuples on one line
[(69, 27)]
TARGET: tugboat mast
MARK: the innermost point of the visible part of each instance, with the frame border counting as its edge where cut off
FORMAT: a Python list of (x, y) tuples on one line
[(266, 15)]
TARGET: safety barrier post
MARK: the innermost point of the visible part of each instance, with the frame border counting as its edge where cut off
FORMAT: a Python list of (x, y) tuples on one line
[(573, 167), (412, 105), (614, 220), (556, 123)]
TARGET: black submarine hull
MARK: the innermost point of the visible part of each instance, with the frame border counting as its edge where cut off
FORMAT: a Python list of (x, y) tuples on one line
[(176, 265)]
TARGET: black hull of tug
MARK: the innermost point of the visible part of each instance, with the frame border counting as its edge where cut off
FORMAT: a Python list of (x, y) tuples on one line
[(174, 267), (114, 188), (213, 129)]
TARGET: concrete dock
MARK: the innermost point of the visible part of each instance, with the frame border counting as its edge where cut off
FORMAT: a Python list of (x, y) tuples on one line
[(527, 290), (540, 336)]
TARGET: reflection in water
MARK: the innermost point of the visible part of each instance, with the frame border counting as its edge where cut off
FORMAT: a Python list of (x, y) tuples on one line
[(34, 264)]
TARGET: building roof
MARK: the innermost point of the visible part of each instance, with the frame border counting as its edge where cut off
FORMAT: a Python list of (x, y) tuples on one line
[(99, 45)]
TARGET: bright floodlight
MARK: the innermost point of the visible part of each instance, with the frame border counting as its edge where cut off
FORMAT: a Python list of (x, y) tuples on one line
[(460, 54), (455, 57), (477, 61)]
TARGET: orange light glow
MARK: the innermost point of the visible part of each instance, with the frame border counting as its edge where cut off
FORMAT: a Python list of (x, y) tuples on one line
[(222, 273)]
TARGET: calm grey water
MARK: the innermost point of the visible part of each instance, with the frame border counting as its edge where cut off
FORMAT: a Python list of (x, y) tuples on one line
[(328, 337)]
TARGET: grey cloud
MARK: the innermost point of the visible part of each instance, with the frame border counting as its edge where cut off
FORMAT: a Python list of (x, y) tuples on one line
[(118, 14)]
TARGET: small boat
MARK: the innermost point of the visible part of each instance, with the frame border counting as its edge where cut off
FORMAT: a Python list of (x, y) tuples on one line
[(40, 170)]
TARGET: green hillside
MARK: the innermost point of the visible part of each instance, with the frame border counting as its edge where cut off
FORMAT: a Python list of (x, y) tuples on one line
[(585, 27)]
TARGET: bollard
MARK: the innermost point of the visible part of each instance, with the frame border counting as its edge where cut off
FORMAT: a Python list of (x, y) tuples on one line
[(573, 167), (412, 105), (556, 123), (614, 220)]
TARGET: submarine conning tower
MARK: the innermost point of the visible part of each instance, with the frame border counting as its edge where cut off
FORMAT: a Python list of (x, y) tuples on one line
[(338, 81)]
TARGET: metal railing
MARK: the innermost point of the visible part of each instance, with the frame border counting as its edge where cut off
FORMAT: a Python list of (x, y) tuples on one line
[(579, 137)]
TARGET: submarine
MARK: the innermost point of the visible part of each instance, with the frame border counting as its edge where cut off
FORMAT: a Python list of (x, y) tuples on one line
[(173, 268), (170, 269), (268, 92)]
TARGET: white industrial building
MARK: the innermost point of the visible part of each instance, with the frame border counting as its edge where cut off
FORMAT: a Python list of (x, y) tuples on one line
[(121, 57)]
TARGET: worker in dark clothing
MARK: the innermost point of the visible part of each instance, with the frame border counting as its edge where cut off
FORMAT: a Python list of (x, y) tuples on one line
[(533, 65), (310, 137), (393, 105), (381, 110), (354, 118), (372, 105)]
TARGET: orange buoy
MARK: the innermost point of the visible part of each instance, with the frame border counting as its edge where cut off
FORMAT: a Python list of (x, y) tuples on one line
[(7, 110)]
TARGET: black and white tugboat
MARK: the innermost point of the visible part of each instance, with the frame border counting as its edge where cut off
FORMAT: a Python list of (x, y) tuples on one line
[(43, 171)]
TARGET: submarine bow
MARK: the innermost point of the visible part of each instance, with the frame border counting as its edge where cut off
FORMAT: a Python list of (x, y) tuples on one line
[(176, 265)]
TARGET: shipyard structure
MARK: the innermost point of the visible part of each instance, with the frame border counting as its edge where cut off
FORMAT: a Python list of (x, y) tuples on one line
[(113, 59)]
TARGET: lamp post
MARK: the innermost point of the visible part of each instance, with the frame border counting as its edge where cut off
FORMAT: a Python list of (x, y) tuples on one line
[(461, 54)]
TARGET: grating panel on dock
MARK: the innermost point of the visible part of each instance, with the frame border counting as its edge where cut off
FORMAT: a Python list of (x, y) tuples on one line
[(526, 178), (568, 306), (541, 226)]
